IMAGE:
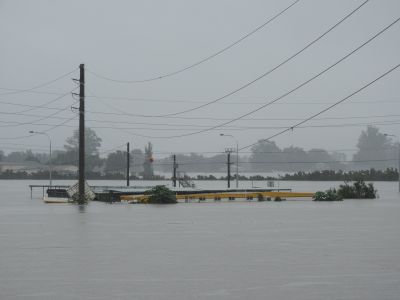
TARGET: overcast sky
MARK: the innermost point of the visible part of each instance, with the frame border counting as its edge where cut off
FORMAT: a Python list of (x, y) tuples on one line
[(136, 40)]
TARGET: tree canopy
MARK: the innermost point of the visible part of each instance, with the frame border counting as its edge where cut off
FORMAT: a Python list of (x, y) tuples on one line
[(375, 150), (92, 142)]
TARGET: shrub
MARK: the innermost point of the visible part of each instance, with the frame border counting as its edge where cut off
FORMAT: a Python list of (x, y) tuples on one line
[(160, 194), (328, 195), (359, 190)]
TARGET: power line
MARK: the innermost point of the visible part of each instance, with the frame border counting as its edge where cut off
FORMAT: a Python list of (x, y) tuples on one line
[(178, 127), (243, 128), (41, 119), (47, 130), (202, 60), (29, 91), (271, 70), (200, 101), (226, 102), (34, 107), (192, 125), (289, 92), (120, 113), (328, 108), (44, 105), (39, 85)]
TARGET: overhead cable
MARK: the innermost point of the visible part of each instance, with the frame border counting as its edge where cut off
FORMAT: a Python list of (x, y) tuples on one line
[(39, 85), (47, 130), (326, 109), (269, 71), (289, 92), (200, 61)]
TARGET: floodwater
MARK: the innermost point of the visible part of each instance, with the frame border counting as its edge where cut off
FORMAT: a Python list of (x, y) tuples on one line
[(238, 250)]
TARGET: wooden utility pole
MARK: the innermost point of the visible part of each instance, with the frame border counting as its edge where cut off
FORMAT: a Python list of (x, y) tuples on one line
[(174, 172), (127, 163), (229, 151), (81, 199), (229, 170)]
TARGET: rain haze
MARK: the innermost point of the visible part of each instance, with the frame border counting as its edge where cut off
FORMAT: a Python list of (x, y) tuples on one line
[(162, 207), (121, 41)]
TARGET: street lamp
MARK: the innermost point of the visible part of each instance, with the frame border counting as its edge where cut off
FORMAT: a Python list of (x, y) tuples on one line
[(237, 157), (50, 163), (398, 150)]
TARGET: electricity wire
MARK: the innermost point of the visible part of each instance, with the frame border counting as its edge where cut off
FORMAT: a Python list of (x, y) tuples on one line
[(192, 127), (287, 93), (47, 130), (39, 85), (44, 105), (269, 71), (42, 118), (202, 60), (326, 109), (198, 101)]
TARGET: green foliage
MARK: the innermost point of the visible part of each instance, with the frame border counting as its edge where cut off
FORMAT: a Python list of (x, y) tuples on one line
[(359, 190), (390, 174), (328, 195), (160, 194)]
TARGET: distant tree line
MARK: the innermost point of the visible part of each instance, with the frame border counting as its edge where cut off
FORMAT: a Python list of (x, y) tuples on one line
[(375, 151), (389, 174)]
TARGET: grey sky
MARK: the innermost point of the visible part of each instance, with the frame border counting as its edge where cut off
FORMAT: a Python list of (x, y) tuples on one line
[(131, 40)]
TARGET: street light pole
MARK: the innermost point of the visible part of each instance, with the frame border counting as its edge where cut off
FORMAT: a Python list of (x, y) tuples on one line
[(398, 154), (50, 161), (237, 157)]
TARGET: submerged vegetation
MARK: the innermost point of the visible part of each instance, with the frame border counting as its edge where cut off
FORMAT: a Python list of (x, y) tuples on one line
[(160, 194), (359, 190), (328, 195)]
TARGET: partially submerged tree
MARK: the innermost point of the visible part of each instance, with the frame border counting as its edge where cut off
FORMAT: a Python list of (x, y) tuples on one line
[(160, 194), (359, 190)]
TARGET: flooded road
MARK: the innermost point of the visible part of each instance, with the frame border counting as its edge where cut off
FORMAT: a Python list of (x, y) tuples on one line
[(238, 250)]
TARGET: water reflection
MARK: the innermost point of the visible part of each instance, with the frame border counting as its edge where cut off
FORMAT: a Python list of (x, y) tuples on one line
[(82, 208)]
